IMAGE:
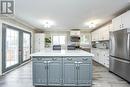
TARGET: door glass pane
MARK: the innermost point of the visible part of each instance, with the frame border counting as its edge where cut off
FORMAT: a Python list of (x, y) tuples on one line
[(26, 46), (56, 40), (62, 40), (12, 47), (59, 40)]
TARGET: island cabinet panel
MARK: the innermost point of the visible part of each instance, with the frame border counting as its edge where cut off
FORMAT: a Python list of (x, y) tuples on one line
[(54, 72), (69, 73), (62, 71), (39, 73), (84, 74)]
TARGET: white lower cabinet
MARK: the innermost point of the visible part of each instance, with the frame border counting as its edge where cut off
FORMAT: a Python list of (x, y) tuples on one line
[(101, 56)]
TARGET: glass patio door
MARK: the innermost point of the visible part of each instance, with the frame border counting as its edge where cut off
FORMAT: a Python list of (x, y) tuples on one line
[(16, 47), (12, 47), (26, 46)]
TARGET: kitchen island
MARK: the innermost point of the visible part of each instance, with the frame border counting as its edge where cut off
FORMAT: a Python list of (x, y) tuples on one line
[(62, 68)]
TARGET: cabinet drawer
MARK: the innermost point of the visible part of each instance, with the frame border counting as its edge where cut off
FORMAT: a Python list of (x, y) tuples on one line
[(38, 59), (54, 59), (47, 59), (85, 59), (70, 59), (78, 59)]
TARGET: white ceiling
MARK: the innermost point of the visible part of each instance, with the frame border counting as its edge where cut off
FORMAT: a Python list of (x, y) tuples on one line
[(67, 14)]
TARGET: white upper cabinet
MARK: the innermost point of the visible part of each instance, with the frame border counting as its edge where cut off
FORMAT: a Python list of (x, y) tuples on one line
[(102, 33), (126, 20), (121, 22), (116, 23), (110, 27)]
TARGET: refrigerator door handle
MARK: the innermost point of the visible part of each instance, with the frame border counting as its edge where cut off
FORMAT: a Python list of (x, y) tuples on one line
[(110, 46), (122, 60), (128, 46)]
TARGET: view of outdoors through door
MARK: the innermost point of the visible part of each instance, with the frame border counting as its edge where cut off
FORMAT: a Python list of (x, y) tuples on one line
[(16, 47), (12, 47), (26, 46)]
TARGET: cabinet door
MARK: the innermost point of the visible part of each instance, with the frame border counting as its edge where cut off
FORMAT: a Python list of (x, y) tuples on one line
[(54, 72), (70, 75), (39, 73), (126, 20), (84, 74), (110, 27), (116, 23)]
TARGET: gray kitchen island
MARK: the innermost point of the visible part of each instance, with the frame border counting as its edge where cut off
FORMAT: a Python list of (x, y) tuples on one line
[(62, 68)]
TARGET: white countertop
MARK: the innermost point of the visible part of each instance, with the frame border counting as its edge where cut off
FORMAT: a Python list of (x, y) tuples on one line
[(50, 52)]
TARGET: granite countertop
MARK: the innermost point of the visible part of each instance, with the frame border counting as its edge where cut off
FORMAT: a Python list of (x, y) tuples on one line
[(50, 52)]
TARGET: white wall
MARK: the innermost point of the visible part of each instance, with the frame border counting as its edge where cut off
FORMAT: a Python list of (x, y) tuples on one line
[(15, 24)]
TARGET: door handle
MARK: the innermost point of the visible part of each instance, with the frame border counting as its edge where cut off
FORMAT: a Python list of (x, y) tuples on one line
[(50, 61), (76, 62), (128, 42), (122, 61), (53, 58), (76, 66), (20, 52), (110, 45), (120, 26), (69, 59), (45, 62), (85, 59), (80, 62), (39, 58)]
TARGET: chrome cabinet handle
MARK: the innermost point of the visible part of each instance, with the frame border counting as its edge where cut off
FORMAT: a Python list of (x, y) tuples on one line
[(45, 62), (128, 43), (76, 62), (120, 26), (50, 61), (53, 58), (80, 62), (85, 59), (39, 58), (69, 59)]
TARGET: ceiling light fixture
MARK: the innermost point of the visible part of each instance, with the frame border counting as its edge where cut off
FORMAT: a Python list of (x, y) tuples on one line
[(91, 25), (47, 23)]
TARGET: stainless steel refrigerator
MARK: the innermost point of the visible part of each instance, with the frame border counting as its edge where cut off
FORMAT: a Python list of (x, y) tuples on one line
[(120, 53)]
